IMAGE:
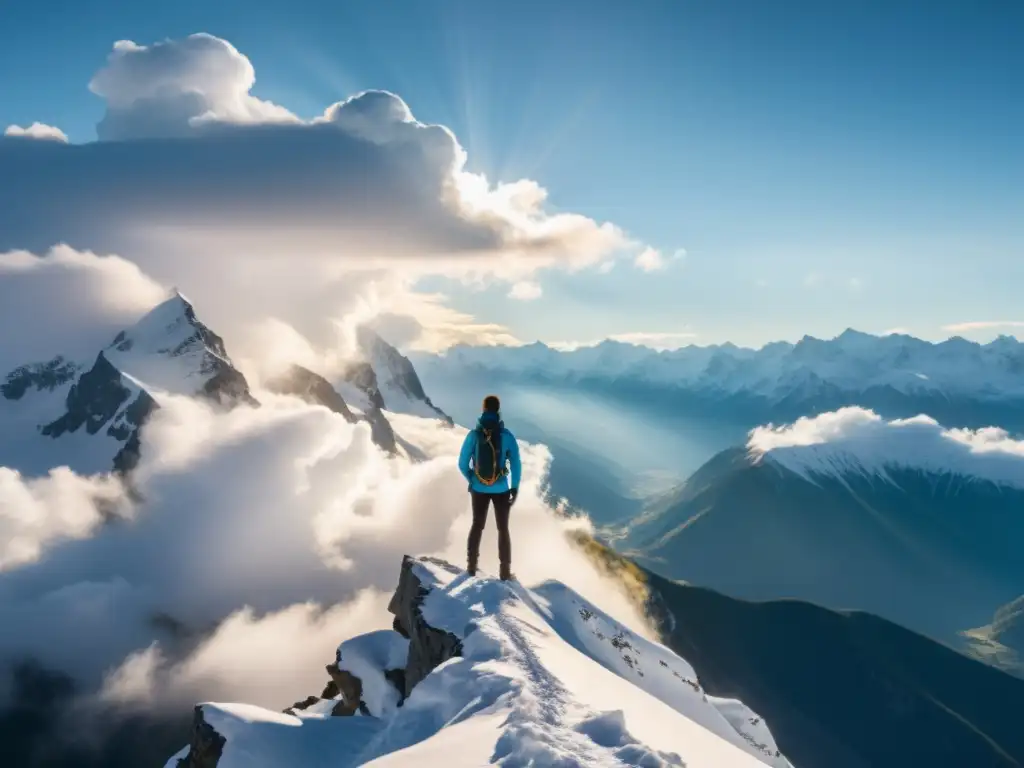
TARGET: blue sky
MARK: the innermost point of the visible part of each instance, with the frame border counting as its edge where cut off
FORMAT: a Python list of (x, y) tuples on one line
[(823, 165)]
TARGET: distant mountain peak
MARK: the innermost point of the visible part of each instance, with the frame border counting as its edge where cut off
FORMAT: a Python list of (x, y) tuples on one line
[(396, 380), (858, 442), (959, 381), (168, 350), (172, 350)]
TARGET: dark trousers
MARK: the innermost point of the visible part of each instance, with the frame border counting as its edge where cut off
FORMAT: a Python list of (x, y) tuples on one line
[(502, 507)]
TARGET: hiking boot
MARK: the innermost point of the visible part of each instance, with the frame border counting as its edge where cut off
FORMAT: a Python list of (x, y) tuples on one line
[(471, 569), (506, 573)]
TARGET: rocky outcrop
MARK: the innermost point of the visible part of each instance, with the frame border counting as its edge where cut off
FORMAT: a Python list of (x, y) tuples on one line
[(39, 376), (428, 647), (228, 387), (206, 746), (362, 376), (306, 703), (314, 388), (395, 373), (351, 689), (92, 401)]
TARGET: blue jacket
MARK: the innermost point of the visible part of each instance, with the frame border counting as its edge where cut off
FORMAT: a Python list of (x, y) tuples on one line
[(511, 449)]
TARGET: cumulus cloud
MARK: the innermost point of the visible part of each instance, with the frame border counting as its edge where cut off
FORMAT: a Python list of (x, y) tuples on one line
[(172, 87), (279, 528), (259, 178), (35, 512), (39, 131), (859, 440), (68, 302), (525, 291), (196, 177), (254, 523)]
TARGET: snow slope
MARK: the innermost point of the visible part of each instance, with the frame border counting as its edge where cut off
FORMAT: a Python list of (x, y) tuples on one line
[(856, 441), (542, 677)]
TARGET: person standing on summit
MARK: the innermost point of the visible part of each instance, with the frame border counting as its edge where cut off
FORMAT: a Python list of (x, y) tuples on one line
[(488, 454)]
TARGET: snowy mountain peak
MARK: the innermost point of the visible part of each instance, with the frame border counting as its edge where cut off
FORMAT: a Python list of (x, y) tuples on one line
[(477, 671), (395, 377), (169, 349), (90, 412), (958, 380), (858, 442)]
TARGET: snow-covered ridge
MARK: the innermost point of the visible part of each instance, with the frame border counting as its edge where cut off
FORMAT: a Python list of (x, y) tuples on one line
[(857, 441), (493, 672), (853, 361)]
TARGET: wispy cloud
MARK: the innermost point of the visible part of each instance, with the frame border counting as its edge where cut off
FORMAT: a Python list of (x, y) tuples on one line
[(982, 325), (525, 290), (653, 260)]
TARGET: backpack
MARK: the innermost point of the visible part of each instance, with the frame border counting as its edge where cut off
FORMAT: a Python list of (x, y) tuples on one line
[(489, 457)]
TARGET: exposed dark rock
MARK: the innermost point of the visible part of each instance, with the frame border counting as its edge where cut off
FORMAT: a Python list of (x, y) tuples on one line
[(398, 372), (311, 387), (351, 689), (381, 432), (228, 387), (428, 647), (397, 678), (206, 747), (306, 703), (49, 375), (134, 415), (361, 375), (330, 690), (208, 338), (314, 388), (92, 401), (122, 343)]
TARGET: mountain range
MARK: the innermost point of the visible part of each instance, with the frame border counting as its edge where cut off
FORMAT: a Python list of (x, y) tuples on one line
[(88, 414), (895, 518), (841, 509), (958, 382)]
